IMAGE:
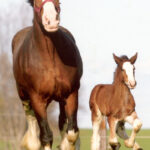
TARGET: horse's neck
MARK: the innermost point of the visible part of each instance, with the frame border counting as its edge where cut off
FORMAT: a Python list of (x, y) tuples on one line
[(40, 37), (119, 85)]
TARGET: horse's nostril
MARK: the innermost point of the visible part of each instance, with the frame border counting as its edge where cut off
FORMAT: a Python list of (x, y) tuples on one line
[(57, 17), (48, 22)]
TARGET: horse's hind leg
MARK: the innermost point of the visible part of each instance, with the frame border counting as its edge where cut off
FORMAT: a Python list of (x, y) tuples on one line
[(46, 137), (96, 122), (70, 139), (31, 138), (113, 141), (122, 134), (136, 123)]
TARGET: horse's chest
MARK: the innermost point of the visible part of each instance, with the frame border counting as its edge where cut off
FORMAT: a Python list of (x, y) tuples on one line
[(125, 106)]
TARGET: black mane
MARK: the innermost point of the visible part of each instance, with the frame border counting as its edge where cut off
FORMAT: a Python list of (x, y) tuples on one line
[(124, 58), (31, 2)]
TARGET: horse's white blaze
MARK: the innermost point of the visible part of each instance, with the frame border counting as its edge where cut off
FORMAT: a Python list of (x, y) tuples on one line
[(49, 17), (129, 69), (31, 138)]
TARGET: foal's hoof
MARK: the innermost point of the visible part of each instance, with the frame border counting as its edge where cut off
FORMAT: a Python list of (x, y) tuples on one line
[(128, 143), (115, 146)]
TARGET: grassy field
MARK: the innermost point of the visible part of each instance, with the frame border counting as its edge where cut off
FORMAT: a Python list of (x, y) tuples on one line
[(143, 138)]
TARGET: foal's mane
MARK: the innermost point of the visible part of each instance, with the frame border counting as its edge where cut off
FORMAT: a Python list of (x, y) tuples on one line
[(31, 2), (117, 75)]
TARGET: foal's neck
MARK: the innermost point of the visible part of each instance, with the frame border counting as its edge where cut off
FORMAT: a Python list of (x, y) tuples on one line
[(118, 81)]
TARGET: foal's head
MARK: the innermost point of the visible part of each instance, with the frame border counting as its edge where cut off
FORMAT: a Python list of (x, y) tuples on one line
[(47, 12), (126, 66)]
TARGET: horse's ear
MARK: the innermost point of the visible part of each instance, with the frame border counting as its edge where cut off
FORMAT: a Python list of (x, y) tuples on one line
[(117, 59), (31, 2), (133, 58)]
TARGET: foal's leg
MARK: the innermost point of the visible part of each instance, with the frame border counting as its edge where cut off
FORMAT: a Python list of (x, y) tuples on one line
[(70, 139), (96, 122), (31, 138), (122, 134), (46, 137), (136, 123), (113, 141)]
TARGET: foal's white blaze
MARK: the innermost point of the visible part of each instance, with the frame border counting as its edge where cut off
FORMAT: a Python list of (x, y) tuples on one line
[(129, 69), (49, 17)]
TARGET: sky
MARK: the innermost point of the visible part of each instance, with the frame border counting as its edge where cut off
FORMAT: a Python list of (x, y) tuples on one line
[(103, 27)]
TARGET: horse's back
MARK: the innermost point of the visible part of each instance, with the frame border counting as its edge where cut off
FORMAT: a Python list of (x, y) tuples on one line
[(19, 38)]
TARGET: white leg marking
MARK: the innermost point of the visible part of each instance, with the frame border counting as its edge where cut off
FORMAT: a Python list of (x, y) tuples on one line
[(113, 138), (137, 125), (47, 147), (31, 138), (95, 140), (136, 146), (69, 140)]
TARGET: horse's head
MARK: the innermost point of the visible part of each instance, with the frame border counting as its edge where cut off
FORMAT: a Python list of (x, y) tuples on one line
[(47, 12), (127, 68)]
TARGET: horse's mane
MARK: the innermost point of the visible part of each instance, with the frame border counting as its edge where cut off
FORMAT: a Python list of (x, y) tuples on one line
[(117, 75), (31, 2), (124, 58)]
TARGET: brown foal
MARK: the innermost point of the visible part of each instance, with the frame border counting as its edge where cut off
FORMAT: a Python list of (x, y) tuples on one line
[(116, 102)]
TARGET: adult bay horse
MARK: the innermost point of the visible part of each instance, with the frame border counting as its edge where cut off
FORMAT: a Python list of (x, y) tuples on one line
[(47, 66), (116, 102)]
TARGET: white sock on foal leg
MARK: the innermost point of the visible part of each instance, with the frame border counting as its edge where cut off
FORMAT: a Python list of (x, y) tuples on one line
[(95, 140)]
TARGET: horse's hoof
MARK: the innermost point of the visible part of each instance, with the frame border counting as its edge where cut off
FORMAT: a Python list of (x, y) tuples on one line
[(115, 146), (128, 143)]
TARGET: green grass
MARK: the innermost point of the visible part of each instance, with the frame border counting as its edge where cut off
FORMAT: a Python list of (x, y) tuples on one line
[(85, 136)]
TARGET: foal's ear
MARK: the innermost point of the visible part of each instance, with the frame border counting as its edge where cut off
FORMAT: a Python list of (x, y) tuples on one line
[(117, 59), (133, 58)]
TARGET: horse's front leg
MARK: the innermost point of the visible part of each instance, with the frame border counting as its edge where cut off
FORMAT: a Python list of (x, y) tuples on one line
[(122, 134), (46, 137), (136, 123), (30, 140), (113, 141), (70, 139)]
